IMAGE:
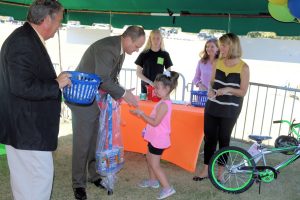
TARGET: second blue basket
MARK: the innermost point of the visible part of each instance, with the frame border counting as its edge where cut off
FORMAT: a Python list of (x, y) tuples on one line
[(83, 89), (198, 98)]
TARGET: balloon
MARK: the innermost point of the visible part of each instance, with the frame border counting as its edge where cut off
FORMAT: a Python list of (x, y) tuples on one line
[(280, 12), (278, 2), (294, 6)]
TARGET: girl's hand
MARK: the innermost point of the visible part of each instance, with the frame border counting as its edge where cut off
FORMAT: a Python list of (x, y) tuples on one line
[(136, 112)]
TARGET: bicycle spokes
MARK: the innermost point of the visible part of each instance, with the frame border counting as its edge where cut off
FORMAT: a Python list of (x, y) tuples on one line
[(231, 170)]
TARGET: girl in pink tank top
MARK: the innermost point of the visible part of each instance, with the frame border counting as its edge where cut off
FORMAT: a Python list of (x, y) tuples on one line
[(157, 133)]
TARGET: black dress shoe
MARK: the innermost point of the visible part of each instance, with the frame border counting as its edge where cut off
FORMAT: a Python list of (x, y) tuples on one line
[(79, 193), (97, 183)]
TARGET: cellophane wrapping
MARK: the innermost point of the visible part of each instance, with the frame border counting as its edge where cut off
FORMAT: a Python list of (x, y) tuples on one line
[(110, 150)]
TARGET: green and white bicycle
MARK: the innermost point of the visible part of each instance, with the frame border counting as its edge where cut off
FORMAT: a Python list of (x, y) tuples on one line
[(234, 169)]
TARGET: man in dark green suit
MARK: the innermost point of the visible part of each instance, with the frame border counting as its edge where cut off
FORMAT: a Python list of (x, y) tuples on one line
[(104, 58)]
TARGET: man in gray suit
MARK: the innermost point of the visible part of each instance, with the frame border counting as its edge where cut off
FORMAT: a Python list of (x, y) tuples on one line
[(104, 58)]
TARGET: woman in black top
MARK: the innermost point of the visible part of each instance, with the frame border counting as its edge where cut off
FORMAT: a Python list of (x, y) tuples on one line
[(153, 60), (228, 86)]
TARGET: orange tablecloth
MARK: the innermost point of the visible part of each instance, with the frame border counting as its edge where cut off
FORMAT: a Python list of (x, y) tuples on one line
[(186, 133)]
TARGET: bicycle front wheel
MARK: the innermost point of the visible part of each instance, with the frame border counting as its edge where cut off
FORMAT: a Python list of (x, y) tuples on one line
[(231, 170)]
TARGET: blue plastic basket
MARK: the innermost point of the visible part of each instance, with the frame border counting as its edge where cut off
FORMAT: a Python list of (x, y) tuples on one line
[(83, 89), (198, 98)]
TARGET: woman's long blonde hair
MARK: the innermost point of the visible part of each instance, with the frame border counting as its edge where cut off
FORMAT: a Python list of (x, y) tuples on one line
[(148, 44), (233, 41)]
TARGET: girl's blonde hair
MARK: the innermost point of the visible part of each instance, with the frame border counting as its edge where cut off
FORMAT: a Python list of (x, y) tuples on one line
[(233, 41), (148, 44), (204, 55)]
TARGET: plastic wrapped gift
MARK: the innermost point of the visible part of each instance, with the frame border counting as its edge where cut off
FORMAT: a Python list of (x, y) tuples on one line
[(110, 160), (109, 151)]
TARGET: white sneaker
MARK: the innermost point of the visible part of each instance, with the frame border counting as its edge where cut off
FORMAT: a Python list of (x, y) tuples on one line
[(149, 183), (164, 193)]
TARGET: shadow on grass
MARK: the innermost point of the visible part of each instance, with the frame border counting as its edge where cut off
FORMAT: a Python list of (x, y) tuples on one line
[(285, 187)]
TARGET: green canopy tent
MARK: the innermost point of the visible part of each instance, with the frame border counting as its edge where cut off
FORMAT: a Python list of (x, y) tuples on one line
[(235, 16)]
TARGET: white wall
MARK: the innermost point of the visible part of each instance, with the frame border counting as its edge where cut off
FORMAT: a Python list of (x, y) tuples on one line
[(271, 49), (271, 61), (73, 43)]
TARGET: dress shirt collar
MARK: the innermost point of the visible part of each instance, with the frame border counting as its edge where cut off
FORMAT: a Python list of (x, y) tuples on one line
[(41, 38), (122, 51)]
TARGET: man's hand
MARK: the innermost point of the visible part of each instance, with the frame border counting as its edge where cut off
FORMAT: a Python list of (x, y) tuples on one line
[(63, 80), (130, 98)]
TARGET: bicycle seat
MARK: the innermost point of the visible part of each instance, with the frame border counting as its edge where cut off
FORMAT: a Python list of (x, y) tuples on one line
[(259, 138)]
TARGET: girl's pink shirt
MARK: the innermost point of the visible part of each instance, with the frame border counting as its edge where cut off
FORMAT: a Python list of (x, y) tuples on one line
[(159, 136)]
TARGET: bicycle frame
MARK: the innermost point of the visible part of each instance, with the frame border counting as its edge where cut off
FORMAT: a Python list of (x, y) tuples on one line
[(265, 151), (292, 127), (240, 168)]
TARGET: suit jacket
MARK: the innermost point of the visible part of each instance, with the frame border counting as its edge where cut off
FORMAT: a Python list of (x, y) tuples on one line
[(103, 58), (30, 100)]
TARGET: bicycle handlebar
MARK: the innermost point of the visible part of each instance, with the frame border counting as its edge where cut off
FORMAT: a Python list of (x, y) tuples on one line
[(277, 121), (292, 126), (284, 121)]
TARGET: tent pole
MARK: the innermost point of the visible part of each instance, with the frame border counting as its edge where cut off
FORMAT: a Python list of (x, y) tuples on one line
[(229, 23), (110, 25), (59, 51)]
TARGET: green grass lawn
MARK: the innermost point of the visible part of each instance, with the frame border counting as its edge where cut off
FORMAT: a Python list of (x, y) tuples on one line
[(286, 187)]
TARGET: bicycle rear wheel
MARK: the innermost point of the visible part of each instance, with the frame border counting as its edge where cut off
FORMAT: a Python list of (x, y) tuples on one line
[(231, 170)]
